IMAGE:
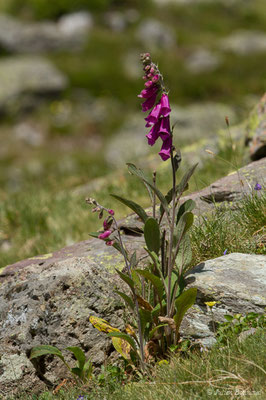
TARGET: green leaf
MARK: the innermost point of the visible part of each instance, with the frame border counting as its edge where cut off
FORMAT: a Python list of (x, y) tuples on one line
[(182, 304), (42, 350), (184, 255), (142, 176), (152, 332), (76, 371), (188, 205), (94, 234), (185, 222), (126, 298), (152, 235), (87, 369), (117, 246), (79, 355), (133, 260), (229, 318), (155, 280), (184, 181), (134, 206), (145, 318), (126, 279), (136, 279), (125, 337), (135, 171)]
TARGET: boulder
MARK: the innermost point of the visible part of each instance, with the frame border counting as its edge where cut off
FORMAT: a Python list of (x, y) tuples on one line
[(26, 79), (48, 300), (237, 282), (69, 33), (256, 131)]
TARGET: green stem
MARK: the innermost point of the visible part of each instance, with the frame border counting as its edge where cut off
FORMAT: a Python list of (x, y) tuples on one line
[(169, 270)]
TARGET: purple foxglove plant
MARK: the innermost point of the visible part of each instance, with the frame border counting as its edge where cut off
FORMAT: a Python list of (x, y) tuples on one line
[(157, 295)]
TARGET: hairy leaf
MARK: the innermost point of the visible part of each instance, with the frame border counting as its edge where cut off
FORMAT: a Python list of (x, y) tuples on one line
[(79, 355), (182, 304), (126, 298), (152, 235), (134, 206), (135, 171), (42, 350), (156, 282), (188, 205), (126, 279), (184, 181)]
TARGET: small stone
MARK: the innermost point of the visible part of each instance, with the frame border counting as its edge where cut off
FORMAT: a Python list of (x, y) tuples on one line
[(154, 34), (202, 60), (245, 42)]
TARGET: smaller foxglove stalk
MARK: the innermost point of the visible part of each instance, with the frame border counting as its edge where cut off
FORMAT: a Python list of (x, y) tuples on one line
[(156, 98)]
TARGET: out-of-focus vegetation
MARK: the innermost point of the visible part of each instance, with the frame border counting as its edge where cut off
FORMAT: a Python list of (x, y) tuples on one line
[(43, 9)]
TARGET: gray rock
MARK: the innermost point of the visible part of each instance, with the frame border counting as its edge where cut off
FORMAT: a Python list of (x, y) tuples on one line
[(79, 23), (236, 281), (24, 79), (153, 34), (116, 21), (70, 33), (49, 301), (28, 134), (202, 60), (245, 42)]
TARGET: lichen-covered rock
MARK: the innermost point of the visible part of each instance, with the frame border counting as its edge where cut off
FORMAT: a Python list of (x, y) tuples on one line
[(236, 281), (256, 131), (24, 79), (48, 300)]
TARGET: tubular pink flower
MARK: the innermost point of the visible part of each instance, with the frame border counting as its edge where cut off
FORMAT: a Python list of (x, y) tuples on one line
[(104, 235), (153, 116), (149, 103), (153, 135), (109, 243), (111, 212), (164, 131), (165, 107), (147, 93), (165, 152), (148, 84), (155, 78)]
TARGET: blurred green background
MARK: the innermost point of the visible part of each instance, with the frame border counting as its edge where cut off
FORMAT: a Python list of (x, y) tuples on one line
[(63, 128)]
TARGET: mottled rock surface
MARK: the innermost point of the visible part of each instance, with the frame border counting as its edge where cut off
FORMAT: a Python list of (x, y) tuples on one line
[(236, 281), (25, 79), (48, 300)]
